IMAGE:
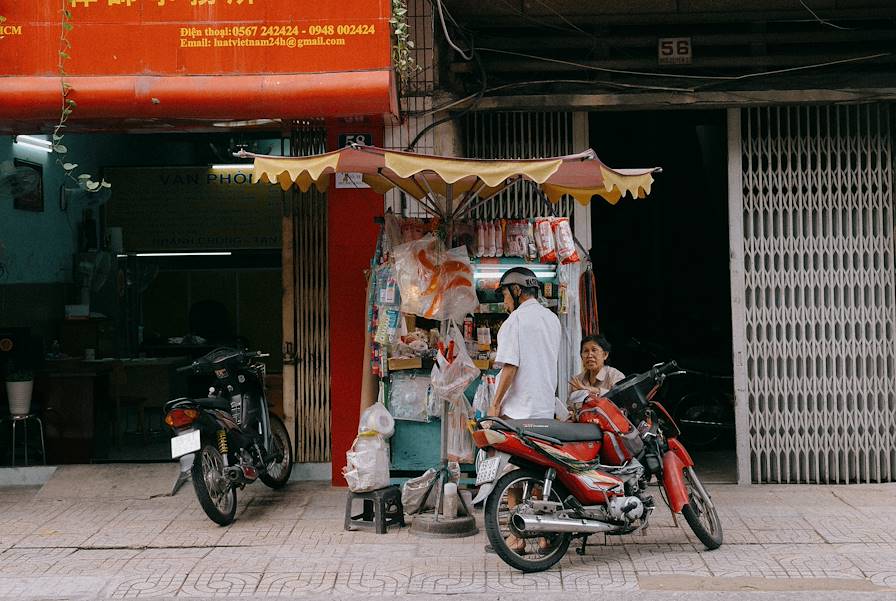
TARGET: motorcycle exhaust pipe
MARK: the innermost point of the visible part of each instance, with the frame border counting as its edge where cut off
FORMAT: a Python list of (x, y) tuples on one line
[(540, 523)]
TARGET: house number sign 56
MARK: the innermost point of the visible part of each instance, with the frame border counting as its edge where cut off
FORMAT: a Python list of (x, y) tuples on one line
[(674, 51)]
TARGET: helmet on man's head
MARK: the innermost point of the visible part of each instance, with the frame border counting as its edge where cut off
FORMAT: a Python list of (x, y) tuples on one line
[(521, 276)]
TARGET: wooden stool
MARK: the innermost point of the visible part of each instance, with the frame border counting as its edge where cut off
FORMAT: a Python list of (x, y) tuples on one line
[(382, 508)]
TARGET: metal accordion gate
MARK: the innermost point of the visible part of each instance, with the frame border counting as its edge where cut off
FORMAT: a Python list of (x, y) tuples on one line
[(813, 292), (306, 319)]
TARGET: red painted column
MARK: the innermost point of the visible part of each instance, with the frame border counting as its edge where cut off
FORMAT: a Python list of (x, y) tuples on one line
[(351, 242)]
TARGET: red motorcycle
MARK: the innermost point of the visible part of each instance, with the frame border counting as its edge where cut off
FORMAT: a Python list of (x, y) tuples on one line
[(587, 477)]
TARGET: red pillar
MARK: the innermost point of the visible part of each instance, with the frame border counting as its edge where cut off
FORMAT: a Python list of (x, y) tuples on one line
[(351, 242)]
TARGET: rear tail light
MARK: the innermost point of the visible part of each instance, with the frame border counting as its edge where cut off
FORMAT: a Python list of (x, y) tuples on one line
[(178, 418)]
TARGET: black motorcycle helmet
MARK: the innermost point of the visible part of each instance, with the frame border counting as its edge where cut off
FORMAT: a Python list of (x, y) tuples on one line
[(522, 277)]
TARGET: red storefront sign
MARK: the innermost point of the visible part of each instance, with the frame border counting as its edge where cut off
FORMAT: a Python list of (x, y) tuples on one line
[(171, 60)]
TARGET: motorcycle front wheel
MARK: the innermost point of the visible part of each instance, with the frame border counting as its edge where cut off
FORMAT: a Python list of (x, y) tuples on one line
[(216, 494), (700, 513), (277, 472), (511, 493)]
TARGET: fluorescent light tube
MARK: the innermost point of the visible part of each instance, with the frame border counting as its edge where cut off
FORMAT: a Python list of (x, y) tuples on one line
[(183, 254), (33, 142)]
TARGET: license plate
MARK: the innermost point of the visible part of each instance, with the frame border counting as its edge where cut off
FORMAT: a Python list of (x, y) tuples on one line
[(185, 443), (487, 471)]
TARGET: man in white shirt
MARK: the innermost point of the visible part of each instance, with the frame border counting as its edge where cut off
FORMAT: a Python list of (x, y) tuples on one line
[(528, 351)]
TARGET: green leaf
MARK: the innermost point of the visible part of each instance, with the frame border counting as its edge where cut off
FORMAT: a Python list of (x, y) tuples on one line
[(71, 102), (69, 166), (106, 184), (59, 148), (64, 55), (84, 176), (67, 26), (92, 186)]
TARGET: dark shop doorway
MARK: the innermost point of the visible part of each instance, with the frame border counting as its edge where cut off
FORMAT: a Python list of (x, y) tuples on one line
[(662, 269)]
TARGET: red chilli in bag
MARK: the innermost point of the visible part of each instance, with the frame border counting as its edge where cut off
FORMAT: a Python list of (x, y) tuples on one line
[(566, 245), (544, 240)]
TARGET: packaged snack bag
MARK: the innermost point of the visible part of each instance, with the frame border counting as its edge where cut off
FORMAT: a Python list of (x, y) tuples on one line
[(499, 238), (565, 244), (544, 240)]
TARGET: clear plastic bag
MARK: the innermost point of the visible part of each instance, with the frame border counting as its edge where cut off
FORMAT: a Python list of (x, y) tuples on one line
[(450, 380), (435, 283), (460, 443), (408, 397), (367, 463), (377, 418)]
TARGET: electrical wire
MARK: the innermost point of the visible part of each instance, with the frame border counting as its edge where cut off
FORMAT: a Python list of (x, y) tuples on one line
[(474, 56), (458, 115), (824, 21), (724, 78), (448, 39)]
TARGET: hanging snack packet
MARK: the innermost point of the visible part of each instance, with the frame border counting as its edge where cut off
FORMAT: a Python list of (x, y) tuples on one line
[(533, 249), (480, 239), (544, 239), (566, 245), (499, 238), (517, 239), (490, 245)]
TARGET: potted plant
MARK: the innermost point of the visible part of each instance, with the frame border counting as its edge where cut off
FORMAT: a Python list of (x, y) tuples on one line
[(19, 384)]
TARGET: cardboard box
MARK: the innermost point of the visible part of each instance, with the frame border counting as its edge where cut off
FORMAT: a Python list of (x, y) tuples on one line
[(396, 364)]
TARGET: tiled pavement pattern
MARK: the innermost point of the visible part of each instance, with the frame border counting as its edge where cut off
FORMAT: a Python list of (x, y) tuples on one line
[(291, 543)]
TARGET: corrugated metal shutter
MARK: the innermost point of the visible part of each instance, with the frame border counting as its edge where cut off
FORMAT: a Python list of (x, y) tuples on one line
[(819, 293)]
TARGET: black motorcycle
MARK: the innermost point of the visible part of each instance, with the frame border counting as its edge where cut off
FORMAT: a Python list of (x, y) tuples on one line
[(230, 437)]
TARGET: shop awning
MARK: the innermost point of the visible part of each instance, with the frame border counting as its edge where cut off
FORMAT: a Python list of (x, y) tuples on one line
[(117, 103), (453, 185)]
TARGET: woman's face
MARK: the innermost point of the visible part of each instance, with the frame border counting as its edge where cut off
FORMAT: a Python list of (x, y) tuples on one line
[(593, 356)]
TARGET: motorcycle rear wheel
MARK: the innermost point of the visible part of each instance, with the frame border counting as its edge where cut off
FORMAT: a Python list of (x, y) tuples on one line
[(700, 513), (216, 494), (277, 473), (538, 553)]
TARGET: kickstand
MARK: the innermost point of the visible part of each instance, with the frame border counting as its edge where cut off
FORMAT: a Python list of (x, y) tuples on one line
[(581, 549)]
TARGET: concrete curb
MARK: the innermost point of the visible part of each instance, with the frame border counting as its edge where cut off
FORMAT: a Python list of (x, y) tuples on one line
[(35, 475)]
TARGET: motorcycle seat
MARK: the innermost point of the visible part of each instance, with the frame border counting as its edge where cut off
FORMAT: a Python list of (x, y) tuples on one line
[(562, 431), (213, 403)]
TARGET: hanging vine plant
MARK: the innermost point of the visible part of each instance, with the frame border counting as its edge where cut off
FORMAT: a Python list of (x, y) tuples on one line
[(402, 56), (68, 107)]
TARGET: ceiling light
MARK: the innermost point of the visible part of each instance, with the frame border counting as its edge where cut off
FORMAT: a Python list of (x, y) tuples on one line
[(34, 142)]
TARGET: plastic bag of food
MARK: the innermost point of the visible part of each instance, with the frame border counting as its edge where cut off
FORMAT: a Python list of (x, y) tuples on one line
[(517, 239), (566, 245), (544, 240), (408, 396), (367, 463), (455, 295), (499, 238), (377, 418), (434, 284), (450, 379)]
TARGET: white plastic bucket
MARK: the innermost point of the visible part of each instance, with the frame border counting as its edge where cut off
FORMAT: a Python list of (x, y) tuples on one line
[(19, 395)]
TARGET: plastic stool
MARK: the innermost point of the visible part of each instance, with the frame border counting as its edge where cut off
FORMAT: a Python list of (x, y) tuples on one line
[(23, 419), (382, 508)]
